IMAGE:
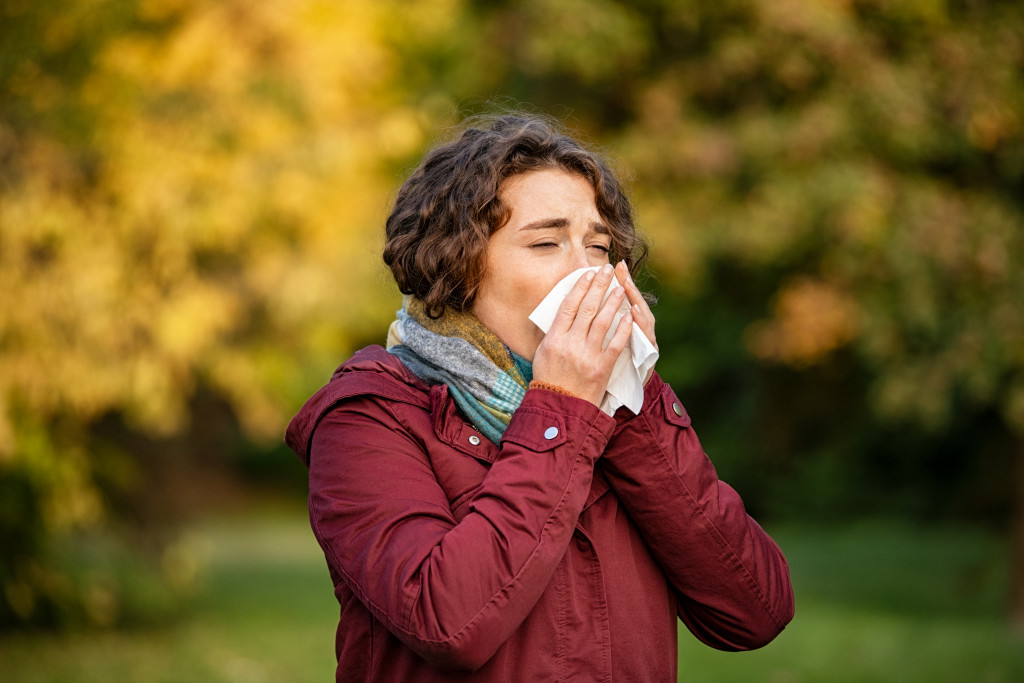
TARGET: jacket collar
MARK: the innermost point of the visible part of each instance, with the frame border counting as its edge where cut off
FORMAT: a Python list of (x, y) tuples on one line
[(374, 371), (454, 430), (371, 370)]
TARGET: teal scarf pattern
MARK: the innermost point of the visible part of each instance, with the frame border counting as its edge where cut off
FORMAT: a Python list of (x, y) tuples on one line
[(485, 378)]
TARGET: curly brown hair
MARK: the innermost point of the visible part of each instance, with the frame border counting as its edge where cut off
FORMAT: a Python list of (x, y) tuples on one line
[(447, 210)]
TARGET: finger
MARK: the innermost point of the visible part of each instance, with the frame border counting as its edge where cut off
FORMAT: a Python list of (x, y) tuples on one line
[(570, 304), (645, 323), (642, 314), (604, 319), (590, 306), (622, 272), (621, 337), (636, 297)]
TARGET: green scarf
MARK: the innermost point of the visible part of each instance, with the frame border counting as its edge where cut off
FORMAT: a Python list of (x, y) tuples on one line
[(485, 378)]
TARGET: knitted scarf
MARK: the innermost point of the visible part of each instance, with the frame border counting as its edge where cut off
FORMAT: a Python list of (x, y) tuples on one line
[(485, 378)]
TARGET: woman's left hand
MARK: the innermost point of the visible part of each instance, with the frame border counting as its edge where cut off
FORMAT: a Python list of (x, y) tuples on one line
[(642, 315)]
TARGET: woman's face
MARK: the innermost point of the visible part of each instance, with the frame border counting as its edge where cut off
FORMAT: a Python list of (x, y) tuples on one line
[(554, 228)]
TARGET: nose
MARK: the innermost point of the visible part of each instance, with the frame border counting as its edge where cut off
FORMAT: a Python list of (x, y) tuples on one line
[(579, 258)]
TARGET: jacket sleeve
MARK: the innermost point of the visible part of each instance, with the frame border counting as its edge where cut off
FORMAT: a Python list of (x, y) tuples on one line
[(731, 578), (453, 591)]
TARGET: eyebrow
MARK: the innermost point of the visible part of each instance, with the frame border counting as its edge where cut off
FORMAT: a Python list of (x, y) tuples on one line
[(545, 223)]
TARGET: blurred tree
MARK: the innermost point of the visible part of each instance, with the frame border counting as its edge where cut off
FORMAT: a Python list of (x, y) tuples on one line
[(190, 196), (869, 159)]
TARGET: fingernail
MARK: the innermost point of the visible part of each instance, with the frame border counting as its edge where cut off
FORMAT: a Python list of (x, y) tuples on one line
[(606, 268), (589, 275)]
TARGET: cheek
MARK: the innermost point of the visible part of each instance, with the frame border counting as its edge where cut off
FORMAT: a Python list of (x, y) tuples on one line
[(538, 288), (524, 284), (522, 288), (517, 291), (544, 283)]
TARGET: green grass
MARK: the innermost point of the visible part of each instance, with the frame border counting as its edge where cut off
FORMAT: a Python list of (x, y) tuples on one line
[(265, 612), (875, 602), (882, 601)]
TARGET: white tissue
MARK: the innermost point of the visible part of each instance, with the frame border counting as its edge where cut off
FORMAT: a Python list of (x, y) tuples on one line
[(626, 385)]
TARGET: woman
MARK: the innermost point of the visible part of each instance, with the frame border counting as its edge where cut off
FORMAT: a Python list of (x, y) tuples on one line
[(481, 517)]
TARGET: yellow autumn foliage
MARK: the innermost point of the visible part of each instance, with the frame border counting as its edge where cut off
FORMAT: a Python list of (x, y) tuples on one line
[(811, 320), (239, 171), (202, 206)]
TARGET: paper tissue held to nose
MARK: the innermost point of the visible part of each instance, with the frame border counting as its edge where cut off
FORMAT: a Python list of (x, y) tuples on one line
[(626, 385)]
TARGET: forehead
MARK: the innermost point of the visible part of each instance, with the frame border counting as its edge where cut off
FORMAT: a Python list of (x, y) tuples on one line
[(547, 190)]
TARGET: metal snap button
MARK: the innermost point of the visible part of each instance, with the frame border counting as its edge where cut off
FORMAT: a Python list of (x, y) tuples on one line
[(677, 409), (475, 440), (550, 433)]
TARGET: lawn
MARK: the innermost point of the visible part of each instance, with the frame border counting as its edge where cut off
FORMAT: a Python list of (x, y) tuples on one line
[(265, 613), (882, 601)]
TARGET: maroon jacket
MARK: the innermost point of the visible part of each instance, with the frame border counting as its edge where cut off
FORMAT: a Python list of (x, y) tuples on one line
[(565, 553)]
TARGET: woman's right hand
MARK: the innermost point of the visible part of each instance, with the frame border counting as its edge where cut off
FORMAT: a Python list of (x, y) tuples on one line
[(571, 355)]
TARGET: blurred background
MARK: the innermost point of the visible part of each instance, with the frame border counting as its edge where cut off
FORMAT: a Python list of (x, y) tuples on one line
[(192, 197)]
